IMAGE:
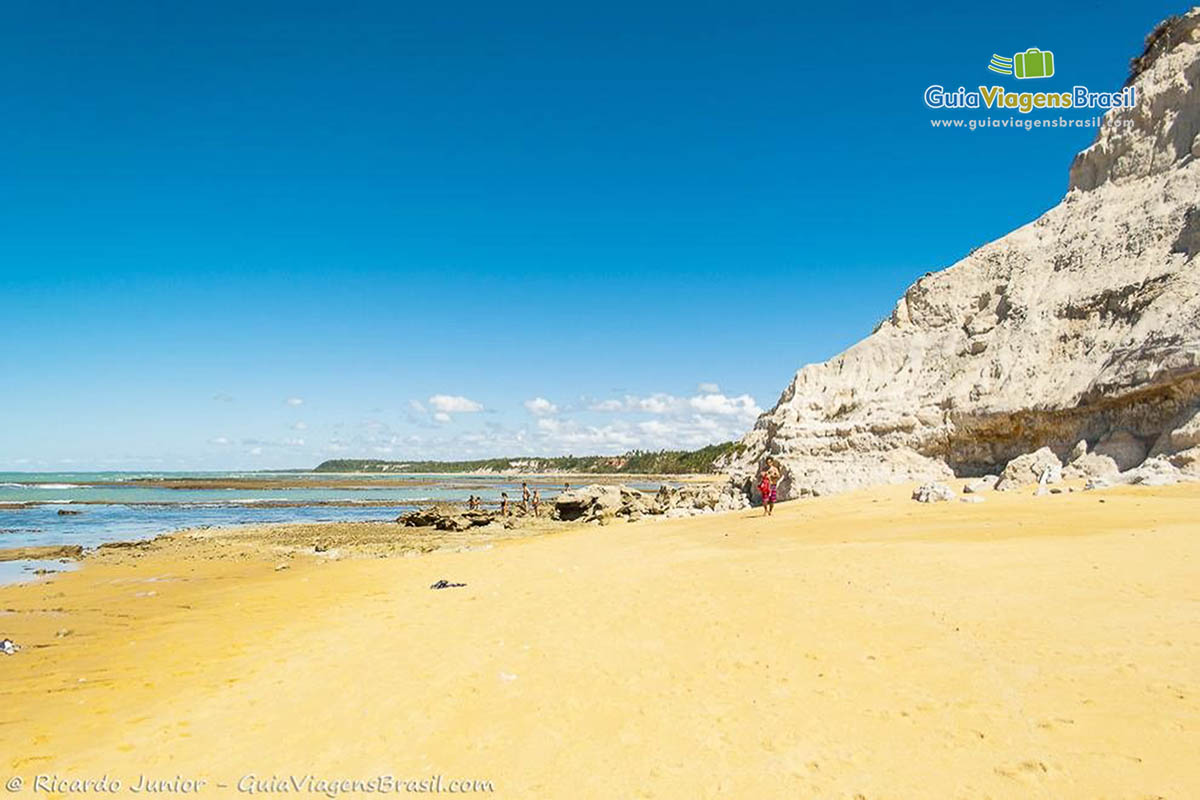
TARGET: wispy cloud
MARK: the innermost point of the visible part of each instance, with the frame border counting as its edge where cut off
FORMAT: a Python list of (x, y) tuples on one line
[(715, 403), (295, 401), (540, 407), (743, 406), (453, 404)]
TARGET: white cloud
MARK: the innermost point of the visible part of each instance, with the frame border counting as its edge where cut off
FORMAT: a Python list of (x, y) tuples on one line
[(453, 404), (680, 422), (293, 443), (300, 426), (559, 436), (256, 451), (441, 416), (540, 407), (742, 406), (658, 403), (295, 401), (219, 440), (655, 427)]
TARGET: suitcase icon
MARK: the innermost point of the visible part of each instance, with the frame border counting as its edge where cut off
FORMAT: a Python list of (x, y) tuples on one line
[(1034, 63)]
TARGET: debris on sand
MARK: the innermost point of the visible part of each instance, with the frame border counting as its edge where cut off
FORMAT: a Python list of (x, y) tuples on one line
[(445, 584)]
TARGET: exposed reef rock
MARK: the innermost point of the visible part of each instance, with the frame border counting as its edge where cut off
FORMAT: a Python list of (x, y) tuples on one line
[(592, 503)]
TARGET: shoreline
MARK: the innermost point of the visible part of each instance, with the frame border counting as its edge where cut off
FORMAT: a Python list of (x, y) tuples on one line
[(1025, 646), (383, 480)]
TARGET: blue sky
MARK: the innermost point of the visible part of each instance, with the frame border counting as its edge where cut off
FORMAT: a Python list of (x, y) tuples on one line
[(243, 235)]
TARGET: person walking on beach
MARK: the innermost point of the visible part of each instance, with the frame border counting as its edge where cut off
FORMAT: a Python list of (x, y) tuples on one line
[(537, 500), (524, 496), (504, 504), (768, 486), (764, 489)]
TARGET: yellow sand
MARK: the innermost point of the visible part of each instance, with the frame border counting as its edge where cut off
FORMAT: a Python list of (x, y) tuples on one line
[(857, 646)]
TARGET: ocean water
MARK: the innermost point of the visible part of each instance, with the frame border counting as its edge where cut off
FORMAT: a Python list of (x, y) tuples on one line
[(119, 506)]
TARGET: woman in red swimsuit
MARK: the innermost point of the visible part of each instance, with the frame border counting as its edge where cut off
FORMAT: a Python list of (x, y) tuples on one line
[(767, 491)]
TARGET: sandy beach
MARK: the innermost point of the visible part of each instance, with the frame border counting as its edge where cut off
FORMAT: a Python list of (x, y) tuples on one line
[(855, 646)]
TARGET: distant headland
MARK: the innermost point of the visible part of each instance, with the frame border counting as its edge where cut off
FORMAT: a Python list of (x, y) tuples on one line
[(638, 462)]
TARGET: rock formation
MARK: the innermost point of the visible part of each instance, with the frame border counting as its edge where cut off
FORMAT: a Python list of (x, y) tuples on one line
[(592, 503), (598, 503), (1082, 325), (933, 492)]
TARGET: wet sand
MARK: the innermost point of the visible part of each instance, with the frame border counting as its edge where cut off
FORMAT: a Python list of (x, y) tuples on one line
[(856, 646)]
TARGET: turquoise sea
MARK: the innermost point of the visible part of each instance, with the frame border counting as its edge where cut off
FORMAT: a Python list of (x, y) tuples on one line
[(90, 508)]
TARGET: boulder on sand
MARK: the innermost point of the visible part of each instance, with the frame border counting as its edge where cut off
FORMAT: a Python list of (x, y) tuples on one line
[(984, 484), (1156, 471), (1091, 465), (1029, 469), (699, 499), (1083, 464), (590, 502), (933, 492), (599, 502)]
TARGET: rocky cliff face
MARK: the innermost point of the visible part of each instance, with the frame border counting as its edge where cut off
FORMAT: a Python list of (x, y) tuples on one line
[(1082, 325)]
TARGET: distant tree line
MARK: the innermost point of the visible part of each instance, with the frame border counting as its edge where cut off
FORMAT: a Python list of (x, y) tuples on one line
[(653, 462)]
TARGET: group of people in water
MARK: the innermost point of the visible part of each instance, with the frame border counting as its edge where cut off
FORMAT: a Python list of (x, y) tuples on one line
[(530, 499)]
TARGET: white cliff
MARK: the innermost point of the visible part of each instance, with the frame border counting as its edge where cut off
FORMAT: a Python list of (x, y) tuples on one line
[(1082, 325)]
